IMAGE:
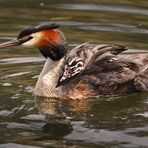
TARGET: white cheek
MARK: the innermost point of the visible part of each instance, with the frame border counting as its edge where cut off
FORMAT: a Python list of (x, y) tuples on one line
[(30, 43), (34, 41)]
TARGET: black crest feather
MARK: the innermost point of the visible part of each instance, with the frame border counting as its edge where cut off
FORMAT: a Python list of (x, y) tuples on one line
[(38, 28)]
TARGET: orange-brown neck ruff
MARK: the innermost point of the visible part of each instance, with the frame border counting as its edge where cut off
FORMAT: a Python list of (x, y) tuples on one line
[(52, 44), (49, 37)]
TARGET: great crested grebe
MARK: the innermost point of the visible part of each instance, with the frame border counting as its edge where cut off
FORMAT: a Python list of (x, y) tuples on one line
[(88, 70)]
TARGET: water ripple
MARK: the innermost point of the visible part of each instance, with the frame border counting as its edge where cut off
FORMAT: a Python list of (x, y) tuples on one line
[(20, 60), (31, 126), (115, 28), (13, 112), (34, 117), (14, 75), (145, 114), (91, 135), (105, 27), (15, 145), (96, 7), (6, 84), (5, 113)]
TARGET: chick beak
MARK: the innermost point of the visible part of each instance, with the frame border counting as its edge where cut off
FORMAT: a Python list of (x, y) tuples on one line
[(11, 43), (58, 84)]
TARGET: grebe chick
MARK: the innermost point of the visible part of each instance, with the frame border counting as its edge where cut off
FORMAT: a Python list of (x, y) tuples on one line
[(88, 70)]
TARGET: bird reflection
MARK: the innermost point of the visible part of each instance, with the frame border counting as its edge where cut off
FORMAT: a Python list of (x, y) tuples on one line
[(57, 107), (60, 113)]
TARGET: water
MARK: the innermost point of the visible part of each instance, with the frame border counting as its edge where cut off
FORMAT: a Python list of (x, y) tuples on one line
[(112, 121)]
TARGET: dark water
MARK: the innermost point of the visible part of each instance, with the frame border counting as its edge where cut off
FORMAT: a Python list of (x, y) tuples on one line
[(111, 121)]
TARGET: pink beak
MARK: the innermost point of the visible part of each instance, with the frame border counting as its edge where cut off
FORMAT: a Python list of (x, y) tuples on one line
[(11, 43)]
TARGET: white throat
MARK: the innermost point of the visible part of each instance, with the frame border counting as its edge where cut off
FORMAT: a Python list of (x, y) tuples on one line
[(48, 78), (48, 67)]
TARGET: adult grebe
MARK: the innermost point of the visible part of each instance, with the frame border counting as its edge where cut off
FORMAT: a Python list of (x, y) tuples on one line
[(87, 70)]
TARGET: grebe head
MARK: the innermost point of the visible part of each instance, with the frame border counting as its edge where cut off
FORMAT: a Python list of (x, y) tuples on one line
[(46, 37)]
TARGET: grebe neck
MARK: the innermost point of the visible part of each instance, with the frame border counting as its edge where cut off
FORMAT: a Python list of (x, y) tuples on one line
[(48, 78), (48, 67)]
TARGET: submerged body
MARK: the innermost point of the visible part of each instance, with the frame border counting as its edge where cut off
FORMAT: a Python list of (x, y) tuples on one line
[(88, 70)]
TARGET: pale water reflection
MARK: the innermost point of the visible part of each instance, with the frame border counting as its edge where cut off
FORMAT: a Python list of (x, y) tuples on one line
[(111, 121)]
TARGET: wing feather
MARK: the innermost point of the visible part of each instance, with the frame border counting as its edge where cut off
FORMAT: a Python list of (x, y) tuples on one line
[(90, 57)]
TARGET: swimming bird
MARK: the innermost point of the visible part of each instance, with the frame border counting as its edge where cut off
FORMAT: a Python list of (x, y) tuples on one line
[(88, 70)]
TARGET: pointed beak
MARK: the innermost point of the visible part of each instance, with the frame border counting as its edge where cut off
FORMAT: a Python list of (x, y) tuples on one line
[(15, 42), (11, 43), (58, 84), (64, 81), (61, 82)]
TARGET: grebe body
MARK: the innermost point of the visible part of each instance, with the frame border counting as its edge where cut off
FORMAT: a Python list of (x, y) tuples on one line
[(88, 70)]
